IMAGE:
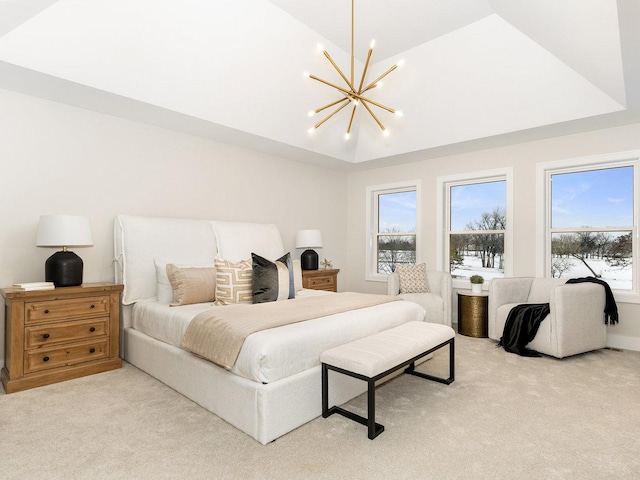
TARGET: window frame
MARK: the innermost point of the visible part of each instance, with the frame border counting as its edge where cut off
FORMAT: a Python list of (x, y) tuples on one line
[(444, 184), (544, 172), (373, 192)]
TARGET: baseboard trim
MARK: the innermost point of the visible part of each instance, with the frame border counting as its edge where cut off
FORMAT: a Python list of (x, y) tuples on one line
[(623, 342)]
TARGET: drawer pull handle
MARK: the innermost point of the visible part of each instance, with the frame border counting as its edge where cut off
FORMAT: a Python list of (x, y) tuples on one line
[(45, 359), (93, 306), (93, 350), (92, 329), (46, 311), (45, 335)]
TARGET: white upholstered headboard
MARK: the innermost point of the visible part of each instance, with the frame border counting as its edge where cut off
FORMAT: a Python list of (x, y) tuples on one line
[(138, 241)]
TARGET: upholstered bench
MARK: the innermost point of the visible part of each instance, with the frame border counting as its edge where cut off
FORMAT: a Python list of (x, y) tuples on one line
[(378, 355)]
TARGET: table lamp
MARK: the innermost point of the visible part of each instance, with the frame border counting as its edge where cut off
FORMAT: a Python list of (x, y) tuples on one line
[(309, 239), (64, 268)]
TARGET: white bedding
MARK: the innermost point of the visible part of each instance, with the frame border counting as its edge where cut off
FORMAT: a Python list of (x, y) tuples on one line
[(276, 353)]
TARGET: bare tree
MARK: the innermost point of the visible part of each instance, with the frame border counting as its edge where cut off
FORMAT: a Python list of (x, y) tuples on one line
[(488, 245), (394, 250)]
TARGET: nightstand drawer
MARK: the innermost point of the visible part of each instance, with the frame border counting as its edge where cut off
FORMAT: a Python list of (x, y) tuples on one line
[(52, 310), (64, 332), (43, 359), (322, 283), (326, 279)]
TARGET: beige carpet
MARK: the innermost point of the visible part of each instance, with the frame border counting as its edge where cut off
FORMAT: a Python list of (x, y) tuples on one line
[(505, 417)]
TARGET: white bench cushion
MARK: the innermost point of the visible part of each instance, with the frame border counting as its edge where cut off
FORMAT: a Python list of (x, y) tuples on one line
[(382, 351)]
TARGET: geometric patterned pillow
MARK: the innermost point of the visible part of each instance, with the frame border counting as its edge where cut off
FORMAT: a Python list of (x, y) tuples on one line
[(233, 281), (413, 278)]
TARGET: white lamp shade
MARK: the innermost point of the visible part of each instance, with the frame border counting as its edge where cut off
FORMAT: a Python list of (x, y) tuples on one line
[(308, 239), (64, 231)]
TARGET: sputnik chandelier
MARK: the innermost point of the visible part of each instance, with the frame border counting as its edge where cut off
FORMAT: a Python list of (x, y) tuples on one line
[(349, 94)]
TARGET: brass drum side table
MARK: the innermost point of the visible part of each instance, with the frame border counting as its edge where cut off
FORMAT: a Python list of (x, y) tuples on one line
[(472, 314)]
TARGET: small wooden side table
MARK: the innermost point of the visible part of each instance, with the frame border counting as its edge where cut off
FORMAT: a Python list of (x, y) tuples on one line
[(473, 312), (323, 279)]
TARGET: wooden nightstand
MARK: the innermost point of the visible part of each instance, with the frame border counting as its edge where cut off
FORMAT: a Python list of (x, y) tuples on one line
[(325, 279), (60, 334)]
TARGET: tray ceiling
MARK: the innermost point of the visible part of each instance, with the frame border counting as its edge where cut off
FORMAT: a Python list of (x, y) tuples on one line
[(477, 73)]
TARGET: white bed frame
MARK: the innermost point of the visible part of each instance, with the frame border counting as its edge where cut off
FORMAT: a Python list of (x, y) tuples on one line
[(263, 411)]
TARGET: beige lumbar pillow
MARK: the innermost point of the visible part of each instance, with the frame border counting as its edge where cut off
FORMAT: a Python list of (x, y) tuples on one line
[(191, 284)]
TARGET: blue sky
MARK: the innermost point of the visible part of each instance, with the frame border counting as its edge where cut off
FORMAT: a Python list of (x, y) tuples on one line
[(469, 202), (397, 212), (597, 198)]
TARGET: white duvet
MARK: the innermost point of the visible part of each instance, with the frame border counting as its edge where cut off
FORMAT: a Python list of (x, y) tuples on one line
[(276, 353)]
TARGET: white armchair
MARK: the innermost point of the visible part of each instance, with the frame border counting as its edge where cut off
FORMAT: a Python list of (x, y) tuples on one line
[(437, 303), (575, 323)]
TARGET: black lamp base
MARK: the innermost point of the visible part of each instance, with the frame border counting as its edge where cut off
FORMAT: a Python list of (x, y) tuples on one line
[(309, 260), (64, 269)]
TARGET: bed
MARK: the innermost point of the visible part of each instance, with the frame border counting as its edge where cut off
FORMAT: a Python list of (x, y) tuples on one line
[(274, 385)]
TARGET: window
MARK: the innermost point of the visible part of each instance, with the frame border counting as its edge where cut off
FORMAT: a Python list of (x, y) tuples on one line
[(475, 214), (590, 220), (393, 228)]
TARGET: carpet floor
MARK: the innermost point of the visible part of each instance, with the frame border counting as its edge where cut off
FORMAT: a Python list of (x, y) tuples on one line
[(504, 417)]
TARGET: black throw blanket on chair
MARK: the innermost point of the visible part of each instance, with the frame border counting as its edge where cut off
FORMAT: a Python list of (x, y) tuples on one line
[(524, 320), (610, 307), (521, 327)]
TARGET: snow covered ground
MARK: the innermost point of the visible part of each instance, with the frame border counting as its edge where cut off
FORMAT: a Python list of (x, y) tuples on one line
[(617, 278)]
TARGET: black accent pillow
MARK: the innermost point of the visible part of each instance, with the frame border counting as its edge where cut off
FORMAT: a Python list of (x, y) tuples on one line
[(272, 281)]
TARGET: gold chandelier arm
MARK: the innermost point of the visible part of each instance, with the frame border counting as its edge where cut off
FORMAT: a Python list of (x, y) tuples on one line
[(374, 116), (364, 72), (331, 115), (326, 54), (353, 112), (343, 90), (373, 84), (353, 28), (317, 110), (373, 102)]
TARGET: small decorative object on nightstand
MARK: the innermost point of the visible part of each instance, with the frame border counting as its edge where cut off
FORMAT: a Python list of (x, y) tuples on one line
[(473, 314), (60, 334), (326, 279)]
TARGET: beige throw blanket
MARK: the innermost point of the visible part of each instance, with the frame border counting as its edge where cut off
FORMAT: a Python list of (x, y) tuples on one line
[(218, 334)]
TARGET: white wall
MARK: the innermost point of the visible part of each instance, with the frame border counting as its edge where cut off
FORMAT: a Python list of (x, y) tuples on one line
[(57, 159), (523, 158)]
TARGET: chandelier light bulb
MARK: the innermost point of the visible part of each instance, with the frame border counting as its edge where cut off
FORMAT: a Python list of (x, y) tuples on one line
[(400, 63), (347, 136), (320, 48), (378, 85), (372, 44), (399, 113), (306, 74), (385, 132), (311, 130), (311, 113)]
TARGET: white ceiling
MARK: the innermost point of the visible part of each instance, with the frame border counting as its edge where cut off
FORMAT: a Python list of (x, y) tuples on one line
[(477, 73)]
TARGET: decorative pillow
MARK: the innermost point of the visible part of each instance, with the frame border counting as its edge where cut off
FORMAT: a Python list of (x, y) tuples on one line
[(233, 281), (164, 291), (272, 281), (191, 285), (413, 278)]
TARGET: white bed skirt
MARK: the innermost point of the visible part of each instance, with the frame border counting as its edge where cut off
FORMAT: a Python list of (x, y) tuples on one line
[(276, 408)]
